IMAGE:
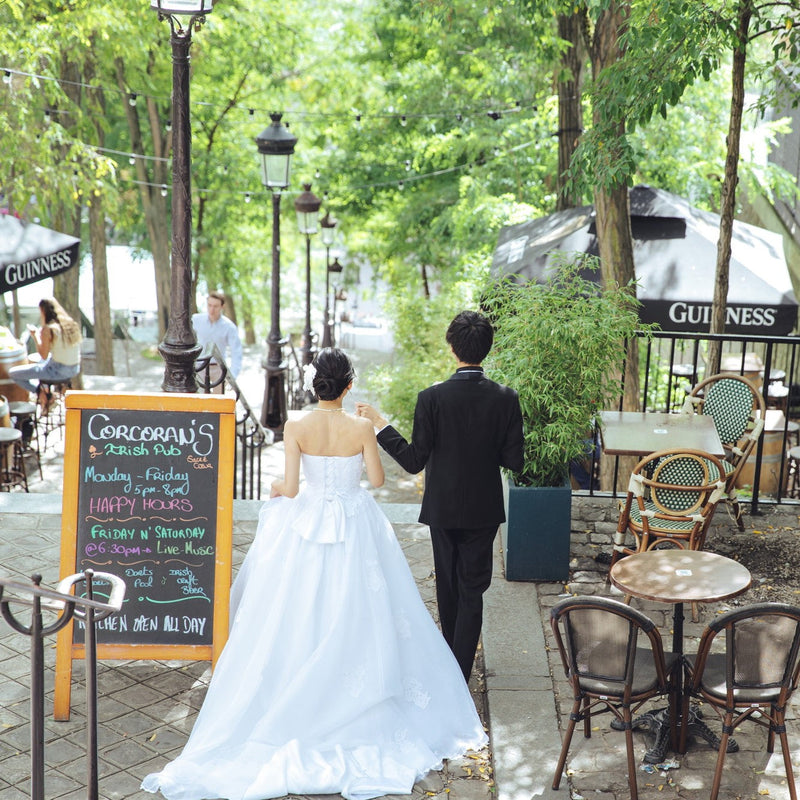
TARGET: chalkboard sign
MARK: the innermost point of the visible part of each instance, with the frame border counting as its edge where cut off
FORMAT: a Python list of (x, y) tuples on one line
[(148, 496)]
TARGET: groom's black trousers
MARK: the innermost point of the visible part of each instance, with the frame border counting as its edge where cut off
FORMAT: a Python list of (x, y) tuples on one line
[(462, 558)]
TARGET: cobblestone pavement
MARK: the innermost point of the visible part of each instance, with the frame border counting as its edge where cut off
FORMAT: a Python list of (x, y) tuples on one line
[(147, 708)]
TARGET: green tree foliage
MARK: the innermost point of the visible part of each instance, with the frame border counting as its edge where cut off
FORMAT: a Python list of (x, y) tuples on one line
[(425, 125)]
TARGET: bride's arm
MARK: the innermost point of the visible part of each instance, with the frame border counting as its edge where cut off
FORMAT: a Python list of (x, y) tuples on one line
[(289, 485), (372, 459)]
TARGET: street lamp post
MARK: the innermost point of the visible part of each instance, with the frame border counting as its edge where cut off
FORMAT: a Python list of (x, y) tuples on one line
[(307, 207), (336, 268), (328, 226), (179, 349), (276, 145)]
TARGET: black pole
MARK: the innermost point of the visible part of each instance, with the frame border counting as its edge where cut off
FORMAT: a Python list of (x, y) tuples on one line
[(326, 328), (273, 409), (307, 350), (179, 349), (90, 660), (37, 696)]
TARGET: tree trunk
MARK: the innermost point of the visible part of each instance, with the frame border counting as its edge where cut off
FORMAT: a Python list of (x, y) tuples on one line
[(103, 331), (101, 303), (728, 198), (154, 204), (66, 285), (570, 112), (612, 213)]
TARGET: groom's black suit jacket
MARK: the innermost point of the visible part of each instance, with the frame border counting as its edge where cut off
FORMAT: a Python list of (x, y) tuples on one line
[(465, 429)]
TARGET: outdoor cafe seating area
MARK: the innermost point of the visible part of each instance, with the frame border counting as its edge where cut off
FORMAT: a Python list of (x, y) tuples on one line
[(27, 428), (617, 660)]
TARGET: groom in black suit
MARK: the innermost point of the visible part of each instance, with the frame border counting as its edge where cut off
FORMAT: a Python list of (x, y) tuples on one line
[(465, 429)]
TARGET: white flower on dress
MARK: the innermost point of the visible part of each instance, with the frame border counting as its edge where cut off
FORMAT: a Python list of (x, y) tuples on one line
[(309, 373), (415, 693), (402, 625), (354, 680)]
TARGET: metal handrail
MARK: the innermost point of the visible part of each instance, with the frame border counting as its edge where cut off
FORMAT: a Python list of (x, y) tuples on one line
[(251, 436), (66, 605)]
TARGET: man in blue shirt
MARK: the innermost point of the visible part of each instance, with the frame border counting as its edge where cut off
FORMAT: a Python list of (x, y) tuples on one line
[(213, 327)]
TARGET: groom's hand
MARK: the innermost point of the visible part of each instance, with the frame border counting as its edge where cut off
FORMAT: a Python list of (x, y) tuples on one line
[(368, 412)]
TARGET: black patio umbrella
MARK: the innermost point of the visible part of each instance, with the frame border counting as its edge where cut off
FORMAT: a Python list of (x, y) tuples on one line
[(31, 252), (674, 252)]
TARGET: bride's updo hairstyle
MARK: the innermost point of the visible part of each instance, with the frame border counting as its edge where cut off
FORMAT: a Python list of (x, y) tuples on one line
[(334, 373)]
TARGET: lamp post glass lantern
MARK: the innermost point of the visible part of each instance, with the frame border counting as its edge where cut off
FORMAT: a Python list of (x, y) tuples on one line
[(179, 349), (307, 207), (191, 7), (276, 146), (328, 225)]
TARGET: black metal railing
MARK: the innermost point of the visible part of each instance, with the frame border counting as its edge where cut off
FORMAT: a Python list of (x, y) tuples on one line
[(671, 363), (251, 436), (66, 605)]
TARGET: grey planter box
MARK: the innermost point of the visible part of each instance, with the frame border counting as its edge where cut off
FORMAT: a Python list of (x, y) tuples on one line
[(536, 533)]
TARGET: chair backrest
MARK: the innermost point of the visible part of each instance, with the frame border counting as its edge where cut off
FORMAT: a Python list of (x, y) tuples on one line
[(737, 409), (597, 639), (679, 483), (762, 652)]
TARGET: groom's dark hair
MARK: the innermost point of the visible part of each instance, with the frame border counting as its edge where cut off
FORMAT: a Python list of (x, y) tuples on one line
[(470, 335), (334, 373)]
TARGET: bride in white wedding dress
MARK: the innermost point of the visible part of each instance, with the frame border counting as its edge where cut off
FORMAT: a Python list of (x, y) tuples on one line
[(335, 679)]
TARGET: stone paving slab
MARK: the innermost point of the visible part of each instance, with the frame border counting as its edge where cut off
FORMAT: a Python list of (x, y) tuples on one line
[(146, 709)]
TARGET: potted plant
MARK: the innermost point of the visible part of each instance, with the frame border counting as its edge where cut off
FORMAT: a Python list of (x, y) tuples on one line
[(561, 346)]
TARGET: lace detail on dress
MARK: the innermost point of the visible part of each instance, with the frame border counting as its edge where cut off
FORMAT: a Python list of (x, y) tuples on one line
[(402, 625), (375, 579), (415, 693), (354, 680)]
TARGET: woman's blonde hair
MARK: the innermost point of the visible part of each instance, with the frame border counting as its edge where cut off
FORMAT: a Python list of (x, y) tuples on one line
[(54, 314)]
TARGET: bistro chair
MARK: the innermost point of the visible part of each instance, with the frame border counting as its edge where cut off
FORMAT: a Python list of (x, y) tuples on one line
[(615, 662), (738, 411), (671, 499), (753, 679)]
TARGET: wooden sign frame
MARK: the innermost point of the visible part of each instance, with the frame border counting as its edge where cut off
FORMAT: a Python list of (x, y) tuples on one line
[(79, 403)]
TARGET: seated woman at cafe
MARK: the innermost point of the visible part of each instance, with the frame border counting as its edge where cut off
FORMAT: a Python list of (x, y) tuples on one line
[(58, 343)]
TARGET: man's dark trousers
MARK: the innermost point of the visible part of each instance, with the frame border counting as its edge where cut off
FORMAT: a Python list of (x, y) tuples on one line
[(462, 558)]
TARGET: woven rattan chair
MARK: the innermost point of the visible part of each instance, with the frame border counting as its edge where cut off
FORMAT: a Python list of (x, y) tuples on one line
[(671, 499), (752, 679), (615, 662), (738, 409)]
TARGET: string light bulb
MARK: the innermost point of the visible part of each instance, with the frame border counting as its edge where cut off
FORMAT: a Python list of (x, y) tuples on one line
[(247, 197), (403, 120), (132, 99), (6, 76), (163, 189), (169, 126)]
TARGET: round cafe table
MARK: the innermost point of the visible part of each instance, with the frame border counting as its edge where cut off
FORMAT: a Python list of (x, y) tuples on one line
[(679, 576)]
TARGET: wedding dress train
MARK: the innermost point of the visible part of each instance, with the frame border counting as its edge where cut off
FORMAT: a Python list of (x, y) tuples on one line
[(335, 678)]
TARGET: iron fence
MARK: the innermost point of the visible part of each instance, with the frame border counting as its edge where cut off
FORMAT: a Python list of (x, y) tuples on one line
[(671, 363), (251, 436)]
